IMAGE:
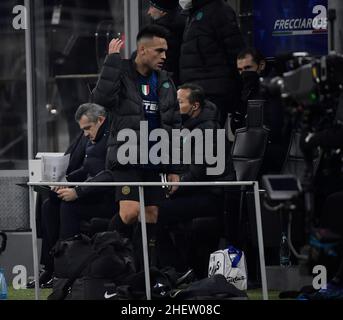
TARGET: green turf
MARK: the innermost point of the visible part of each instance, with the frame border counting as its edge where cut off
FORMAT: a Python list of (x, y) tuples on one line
[(26, 294), (29, 294), (256, 294)]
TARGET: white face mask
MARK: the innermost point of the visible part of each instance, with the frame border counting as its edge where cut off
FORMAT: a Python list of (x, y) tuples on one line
[(185, 4)]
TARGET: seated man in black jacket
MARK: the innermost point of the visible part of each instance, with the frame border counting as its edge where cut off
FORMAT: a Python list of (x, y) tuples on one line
[(186, 203), (66, 207)]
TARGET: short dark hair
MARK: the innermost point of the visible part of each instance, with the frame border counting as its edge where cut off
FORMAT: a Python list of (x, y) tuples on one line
[(257, 56), (91, 110), (197, 93), (165, 5), (151, 31)]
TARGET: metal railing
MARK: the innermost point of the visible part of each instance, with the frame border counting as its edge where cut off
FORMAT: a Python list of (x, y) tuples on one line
[(141, 186)]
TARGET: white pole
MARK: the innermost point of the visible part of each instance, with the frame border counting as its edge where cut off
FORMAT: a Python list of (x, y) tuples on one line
[(34, 241), (29, 78), (260, 241), (144, 243)]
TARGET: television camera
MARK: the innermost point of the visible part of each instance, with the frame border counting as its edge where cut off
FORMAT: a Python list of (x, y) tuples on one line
[(307, 81), (311, 90)]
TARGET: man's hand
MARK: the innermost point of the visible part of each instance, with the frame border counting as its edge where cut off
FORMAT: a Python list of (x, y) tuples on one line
[(67, 194), (115, 46), (173, 178), (56, 188)]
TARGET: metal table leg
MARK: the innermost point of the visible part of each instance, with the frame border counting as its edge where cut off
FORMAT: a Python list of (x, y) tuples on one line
[(34, 241), (145, 243), (260, 241)]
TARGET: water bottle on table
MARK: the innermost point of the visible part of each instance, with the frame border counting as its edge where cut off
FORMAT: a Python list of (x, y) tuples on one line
[(285, 253)]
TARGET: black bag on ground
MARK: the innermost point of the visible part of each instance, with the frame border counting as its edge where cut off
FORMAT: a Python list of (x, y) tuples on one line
[(106, 257), (162, 282), (92, 289)]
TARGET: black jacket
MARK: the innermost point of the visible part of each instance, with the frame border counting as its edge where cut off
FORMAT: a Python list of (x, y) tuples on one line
[(210, 46), (174, 22), (87, 159), (207, 119), (117, 90)]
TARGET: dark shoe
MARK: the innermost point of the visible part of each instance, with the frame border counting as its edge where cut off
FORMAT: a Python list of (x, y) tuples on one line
[(48, 284), (44, 278), (332, 292)]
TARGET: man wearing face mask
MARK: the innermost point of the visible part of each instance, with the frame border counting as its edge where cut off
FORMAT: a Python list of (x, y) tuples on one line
[(251, 66), (186, 203), (166, 13), (209, 50)]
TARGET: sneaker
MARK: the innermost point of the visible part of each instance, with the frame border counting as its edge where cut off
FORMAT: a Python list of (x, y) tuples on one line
[(48, 284), (332, 292), (45, 280)]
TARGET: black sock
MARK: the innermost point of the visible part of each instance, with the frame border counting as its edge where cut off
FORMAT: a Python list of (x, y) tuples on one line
[(151, 231), (151, 239), (151, 235), (118, 225)]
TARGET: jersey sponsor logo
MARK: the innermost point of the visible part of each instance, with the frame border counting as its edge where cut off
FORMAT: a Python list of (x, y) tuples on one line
[(150, 106)]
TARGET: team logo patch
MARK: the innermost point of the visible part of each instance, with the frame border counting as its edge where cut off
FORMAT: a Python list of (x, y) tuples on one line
[(166, 85), (199, 15), (145, 89), (125, 190)]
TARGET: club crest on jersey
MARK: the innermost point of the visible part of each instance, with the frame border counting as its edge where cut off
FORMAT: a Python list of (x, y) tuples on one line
[(145, 89)]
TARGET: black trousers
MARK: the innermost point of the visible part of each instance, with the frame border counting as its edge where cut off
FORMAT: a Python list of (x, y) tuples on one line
[(180, 210), (61, 220)]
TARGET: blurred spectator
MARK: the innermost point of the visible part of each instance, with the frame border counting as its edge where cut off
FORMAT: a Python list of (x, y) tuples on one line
[(209, 50), (166, 13)]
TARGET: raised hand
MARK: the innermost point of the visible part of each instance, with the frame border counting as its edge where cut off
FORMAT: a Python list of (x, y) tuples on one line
[(115, 45)]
